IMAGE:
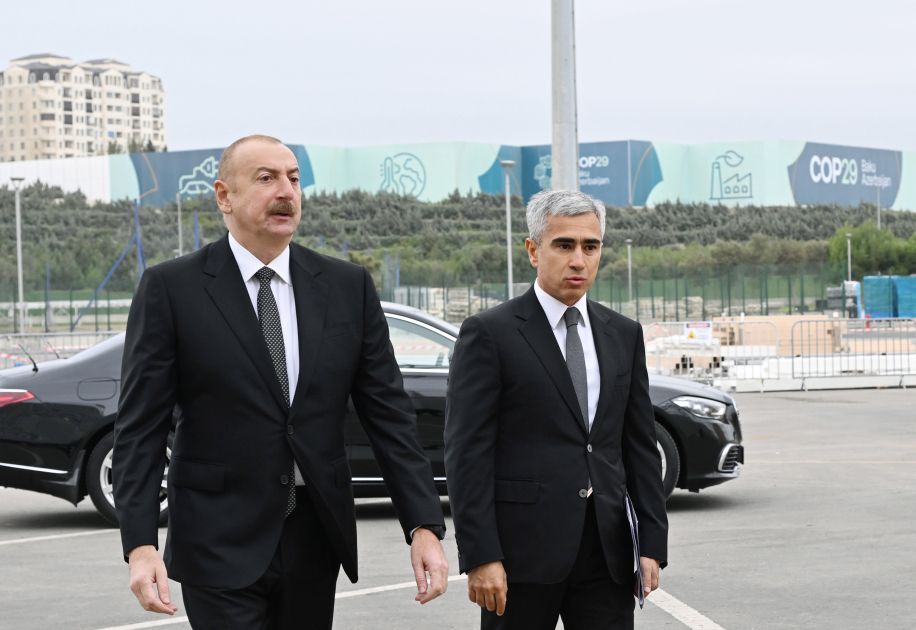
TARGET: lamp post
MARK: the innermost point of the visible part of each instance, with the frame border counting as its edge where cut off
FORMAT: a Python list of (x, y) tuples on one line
[(629, 243), (848, 257), (178, 203), (17, 185), (508, 165)]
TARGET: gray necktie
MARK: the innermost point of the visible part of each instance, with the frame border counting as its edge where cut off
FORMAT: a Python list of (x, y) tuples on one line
[(575, 360), (269, 317)]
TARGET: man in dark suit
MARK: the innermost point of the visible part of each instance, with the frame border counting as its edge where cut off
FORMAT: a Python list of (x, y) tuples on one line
[(260, 342), (548, 430)]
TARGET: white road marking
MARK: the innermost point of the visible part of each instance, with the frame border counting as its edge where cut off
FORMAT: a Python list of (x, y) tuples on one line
[(22, 541), (341, 595), (688, 616)]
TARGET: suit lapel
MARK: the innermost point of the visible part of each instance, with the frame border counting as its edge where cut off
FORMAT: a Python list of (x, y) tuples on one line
[(227, 290), (608, 348), (311, 292), (536, 330)]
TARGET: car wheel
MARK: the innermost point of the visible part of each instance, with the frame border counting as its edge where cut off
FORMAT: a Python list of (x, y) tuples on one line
[(100, 486), (671, 460)]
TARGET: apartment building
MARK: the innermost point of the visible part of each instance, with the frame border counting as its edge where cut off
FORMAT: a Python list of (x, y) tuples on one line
[(52, 107)]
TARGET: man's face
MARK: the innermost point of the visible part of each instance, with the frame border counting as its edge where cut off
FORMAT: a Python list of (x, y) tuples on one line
[(261, 198), (568, 256)]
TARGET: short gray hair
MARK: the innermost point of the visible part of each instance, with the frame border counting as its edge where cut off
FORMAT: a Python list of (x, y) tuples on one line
[(565, 203)]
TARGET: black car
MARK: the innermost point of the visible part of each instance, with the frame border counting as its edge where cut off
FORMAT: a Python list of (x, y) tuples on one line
[(56, 421)]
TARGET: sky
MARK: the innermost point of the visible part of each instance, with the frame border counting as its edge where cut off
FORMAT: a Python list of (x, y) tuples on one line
[(365, 72)]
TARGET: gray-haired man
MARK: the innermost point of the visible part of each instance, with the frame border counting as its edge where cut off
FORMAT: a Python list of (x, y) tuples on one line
[(549, 437)]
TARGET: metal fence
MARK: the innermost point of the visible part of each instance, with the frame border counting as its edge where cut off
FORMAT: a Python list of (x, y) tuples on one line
[(749, 353), (854, 347)]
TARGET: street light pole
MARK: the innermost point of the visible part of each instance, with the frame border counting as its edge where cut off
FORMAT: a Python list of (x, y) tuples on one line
[(629, 242), (848, 257), (17, 184), (508, 165), (180, 239), (178, 203)]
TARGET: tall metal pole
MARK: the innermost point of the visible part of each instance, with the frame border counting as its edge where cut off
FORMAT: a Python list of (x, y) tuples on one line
[(17, 184), (848, 257), (629, 270), (507, 168), (180, 240), (565, 144)]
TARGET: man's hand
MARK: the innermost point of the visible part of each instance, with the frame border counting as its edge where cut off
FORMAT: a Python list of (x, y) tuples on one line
[(427, 556), (650, 570), (488, 587), (149, 581)]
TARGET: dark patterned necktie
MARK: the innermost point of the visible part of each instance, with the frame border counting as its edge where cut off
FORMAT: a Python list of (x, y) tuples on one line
[(269, 317), (575, 360)]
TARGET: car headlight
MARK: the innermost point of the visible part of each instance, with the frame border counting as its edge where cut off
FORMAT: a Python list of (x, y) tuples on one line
[(701, 407)]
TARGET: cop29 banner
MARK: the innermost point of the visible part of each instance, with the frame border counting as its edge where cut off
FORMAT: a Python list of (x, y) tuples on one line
[(826, 173)]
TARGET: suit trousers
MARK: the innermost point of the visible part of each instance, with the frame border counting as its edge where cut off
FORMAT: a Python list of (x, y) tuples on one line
[(587, 600), (296, 591)]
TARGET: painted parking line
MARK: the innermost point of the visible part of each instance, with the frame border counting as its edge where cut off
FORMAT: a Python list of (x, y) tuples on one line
[(22, 541), (688, 616), (341, 595)]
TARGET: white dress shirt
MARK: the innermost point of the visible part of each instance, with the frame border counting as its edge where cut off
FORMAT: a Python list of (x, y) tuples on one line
[(554, 309), (282, 288)]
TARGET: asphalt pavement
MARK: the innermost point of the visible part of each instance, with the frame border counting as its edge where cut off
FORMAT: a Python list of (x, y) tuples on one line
[(817, 533)]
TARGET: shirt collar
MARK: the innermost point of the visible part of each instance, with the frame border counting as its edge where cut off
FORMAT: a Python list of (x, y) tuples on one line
[(555, 309), (249, 264)]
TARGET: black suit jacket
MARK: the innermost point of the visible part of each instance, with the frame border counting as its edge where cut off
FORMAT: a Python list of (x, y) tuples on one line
[(193, 338), (519, 459)]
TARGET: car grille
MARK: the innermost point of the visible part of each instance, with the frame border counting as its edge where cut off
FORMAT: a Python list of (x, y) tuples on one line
[(732, 458)]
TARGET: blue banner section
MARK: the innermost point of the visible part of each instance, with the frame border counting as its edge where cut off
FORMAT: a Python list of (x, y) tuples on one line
[(645, 171), (618, 173), (162, 176), (826, 173), (493, 182)]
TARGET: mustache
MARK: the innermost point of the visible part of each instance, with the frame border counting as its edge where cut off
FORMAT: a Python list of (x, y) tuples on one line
[(281, 207)]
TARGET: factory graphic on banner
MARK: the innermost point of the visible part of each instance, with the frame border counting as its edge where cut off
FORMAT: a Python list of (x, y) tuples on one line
[(727, 183), (403, 174)]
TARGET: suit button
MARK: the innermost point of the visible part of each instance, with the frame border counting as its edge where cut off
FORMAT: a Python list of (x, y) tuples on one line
[(583, 493), (588, 448), (284, 479), (289, 429)]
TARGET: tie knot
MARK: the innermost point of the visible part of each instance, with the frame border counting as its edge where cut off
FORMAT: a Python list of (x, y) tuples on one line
[(571, 316), (264, 275)]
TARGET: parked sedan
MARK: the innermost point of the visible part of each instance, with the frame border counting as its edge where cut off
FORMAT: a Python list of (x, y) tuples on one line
[(56, 420)]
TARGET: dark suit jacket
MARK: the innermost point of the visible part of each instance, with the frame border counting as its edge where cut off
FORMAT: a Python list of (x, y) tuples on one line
[(519, 459), (193, 338)]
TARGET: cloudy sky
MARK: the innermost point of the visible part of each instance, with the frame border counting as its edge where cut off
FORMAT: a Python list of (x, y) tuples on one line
[(358, 72)]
